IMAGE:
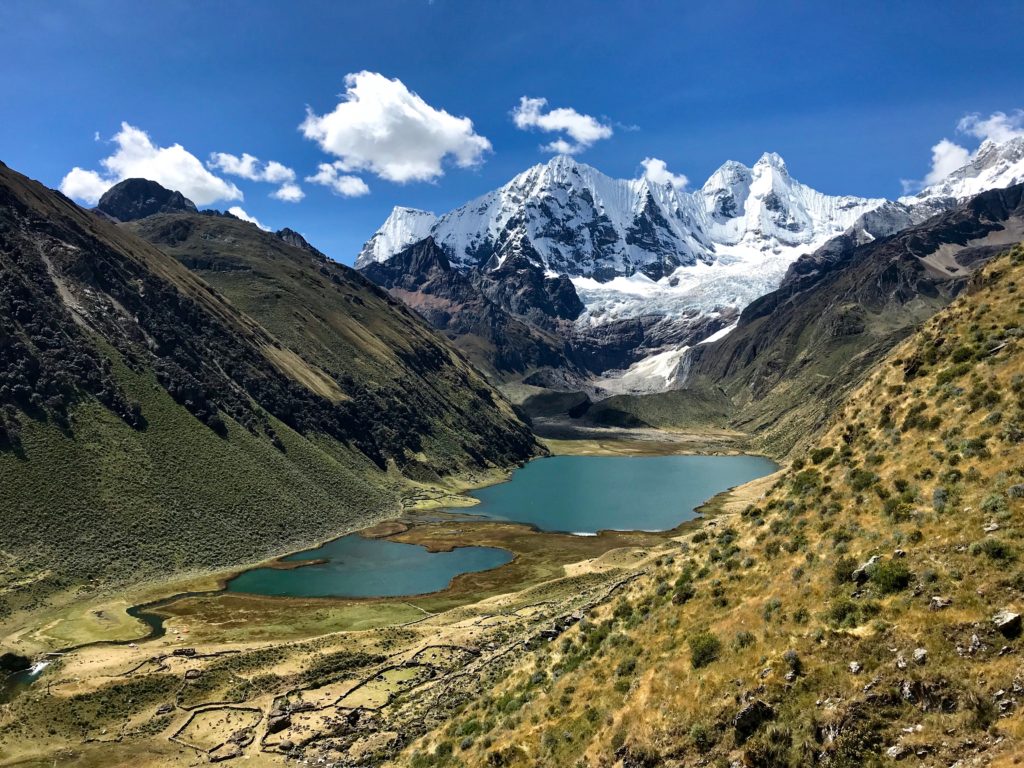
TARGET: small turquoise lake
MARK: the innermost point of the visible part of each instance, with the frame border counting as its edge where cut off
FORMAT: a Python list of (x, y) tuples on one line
[(587, 494), (569, 494), (361, 567)]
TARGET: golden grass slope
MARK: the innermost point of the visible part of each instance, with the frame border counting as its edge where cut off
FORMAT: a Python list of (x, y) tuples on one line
[(757, 641)]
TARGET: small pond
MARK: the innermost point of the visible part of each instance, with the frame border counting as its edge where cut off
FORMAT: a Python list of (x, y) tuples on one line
[(359, 567)]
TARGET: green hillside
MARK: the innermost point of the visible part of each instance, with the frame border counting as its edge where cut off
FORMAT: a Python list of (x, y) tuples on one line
[(149, 426)]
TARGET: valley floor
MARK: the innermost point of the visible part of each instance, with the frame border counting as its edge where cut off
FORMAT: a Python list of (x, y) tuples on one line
[(352, 674)]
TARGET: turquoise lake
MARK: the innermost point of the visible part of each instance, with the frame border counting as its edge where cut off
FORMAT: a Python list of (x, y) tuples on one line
[(586, 494), (572, 494), (360, 567)]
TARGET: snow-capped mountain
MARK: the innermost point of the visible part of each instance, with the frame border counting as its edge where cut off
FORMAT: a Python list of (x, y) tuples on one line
[(655, 268), (403, 227), (994, 166), (633, 246)]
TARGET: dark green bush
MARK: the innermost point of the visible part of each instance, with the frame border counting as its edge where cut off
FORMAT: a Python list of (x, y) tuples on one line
[(704, 649)]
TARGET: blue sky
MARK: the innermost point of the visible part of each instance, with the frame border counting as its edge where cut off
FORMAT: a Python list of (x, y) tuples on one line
[(853, 99)]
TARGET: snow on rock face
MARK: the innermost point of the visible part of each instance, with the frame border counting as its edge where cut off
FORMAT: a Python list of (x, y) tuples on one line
[(655, 373), (764, 206), (636, 247), (993, 166), (403, 227)]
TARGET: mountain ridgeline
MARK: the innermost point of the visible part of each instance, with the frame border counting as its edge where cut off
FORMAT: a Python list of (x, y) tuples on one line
[(197, 425), (654, 268)]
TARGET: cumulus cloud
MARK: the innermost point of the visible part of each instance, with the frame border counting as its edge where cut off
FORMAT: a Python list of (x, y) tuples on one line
[(329, 175), (657, 171), (137, 156), (240, 213), (998, 126), (248, 167), (583, 130), (382, 127), (948, 156), (289, 193)]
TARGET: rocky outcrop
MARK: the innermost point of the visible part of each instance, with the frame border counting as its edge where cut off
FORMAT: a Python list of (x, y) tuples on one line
[(133, 199)]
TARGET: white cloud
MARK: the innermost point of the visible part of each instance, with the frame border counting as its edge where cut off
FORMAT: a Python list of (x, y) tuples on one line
[(87, 186), (584, 130), (238, 212), (328, 175), (289, 193), (382, 127), (137, 156), (657, 171), (248, 167), (998, 126), (948, 156)]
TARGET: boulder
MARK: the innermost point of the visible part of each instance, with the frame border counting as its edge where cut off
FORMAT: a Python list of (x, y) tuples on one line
[(938, 603), (278, 722), (920, 656), (750, 718), (1008, 623), (286, 746), (193, 674), (863, 572), (855, 667)]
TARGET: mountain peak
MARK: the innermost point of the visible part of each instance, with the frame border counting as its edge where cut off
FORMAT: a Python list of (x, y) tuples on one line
[(772, 160), (995, 165), (133, 199), (404, 226)]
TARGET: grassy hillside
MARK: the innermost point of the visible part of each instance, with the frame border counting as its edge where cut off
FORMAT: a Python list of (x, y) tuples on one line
[(149, 426), (847, 616), (386, 360)]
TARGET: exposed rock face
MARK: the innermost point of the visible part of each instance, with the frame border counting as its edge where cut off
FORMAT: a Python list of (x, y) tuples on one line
[(1008, 623), (468, 308), (518, 318), (133, 199), (750, 718), (293, 238)]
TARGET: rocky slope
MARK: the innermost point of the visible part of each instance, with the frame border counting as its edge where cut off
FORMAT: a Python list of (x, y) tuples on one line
[(863, 609), (184, 432)]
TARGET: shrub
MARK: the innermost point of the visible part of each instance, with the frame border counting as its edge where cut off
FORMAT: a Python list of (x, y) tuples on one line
[(683, 593), (890, 577), (843, 569), (743, 639), (819, 455), (994, 549), (702, 737), (792, 659), (704, 649), (860, 479), (806, 481)]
